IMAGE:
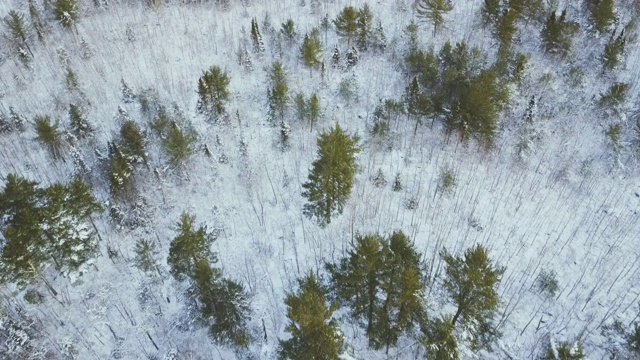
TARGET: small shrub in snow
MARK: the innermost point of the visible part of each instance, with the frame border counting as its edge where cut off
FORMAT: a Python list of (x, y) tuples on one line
[(547, 283)]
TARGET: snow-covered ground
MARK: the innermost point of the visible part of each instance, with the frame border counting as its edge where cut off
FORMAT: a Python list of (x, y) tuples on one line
[(566, 207)]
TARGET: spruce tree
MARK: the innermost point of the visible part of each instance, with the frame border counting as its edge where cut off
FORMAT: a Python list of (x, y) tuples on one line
[(133, 143), (213, 92), (120, 171), (332, 175), (506, 28), (434, 11), (189, 246), (178, 144), (346, 23), (256, 38), (66, 12), (471, 283), (79, 124), (49, 135), (314, 334), (311, 48)]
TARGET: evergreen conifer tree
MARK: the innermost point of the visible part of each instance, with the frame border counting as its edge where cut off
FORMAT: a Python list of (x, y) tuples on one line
[(256, 38), (557, 33), (66, 12), (311, 48), (16, 121), (49, 135), (178, 144), (222, 304), (601, 14), (490, 11), (133, 143), (145, 251), (418, 104), (188, 247), (313, 110), (278, 94), (17, 31), (439, 341), (563, 351), (613, 49), (471, 283), (332, 175), (314, 334), (36, 21), (79, 124), (346, 23), (364, 25), (212, 91), (288, 31), (434, 11), (335, 58)]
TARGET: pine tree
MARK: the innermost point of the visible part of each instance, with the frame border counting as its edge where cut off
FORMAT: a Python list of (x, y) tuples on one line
[(79, 124), (402, 285), (17, 30), (49, 135), (285, 134), (300, 105), (364, 24), (145, 251), (128, 95), (346, 23), (601, 14), (439, 341), (222, 304), (506, 28), (490, 11), (212, 91), (288, 31), (133, 143), (278, 94), (178, 144), (563, 351), (44, 226), (378, 38), (357, 279), (188, 247), (471, 283), (613, 50), (66, 12), (313, 110), (557, 33), (332, 175), (120, 171), (311, 49), (314, 334), (418, 104), (434, 10), (256, 38)]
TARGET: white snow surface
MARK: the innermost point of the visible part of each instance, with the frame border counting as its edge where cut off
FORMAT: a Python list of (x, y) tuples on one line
[(566, 207)]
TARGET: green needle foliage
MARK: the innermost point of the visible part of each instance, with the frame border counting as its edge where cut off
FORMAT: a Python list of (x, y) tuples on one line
[(439, 341), (66, 12), (434, 11), (563, 351), (49, 135), (332, 175), (380, 281), (178, 144), (45, 226), (471, 282), (311, 48), (314, 334), (346, 23), (213, 92), (191, 244)]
